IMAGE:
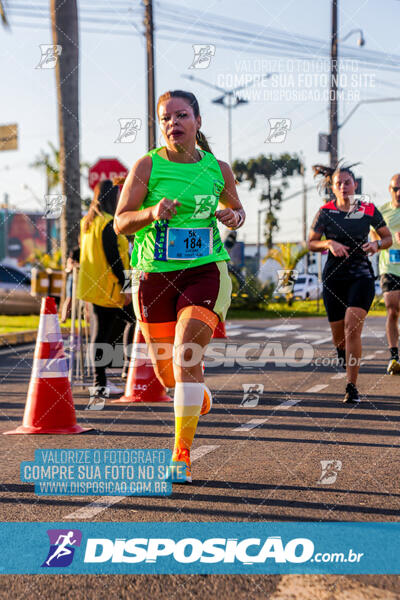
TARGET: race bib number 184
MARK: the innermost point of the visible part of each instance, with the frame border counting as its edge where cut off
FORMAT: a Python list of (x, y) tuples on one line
[(188, 244)]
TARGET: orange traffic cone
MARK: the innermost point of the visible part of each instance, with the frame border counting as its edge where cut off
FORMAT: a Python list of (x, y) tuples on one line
[(49, 406), (142, 384), (220, 331)]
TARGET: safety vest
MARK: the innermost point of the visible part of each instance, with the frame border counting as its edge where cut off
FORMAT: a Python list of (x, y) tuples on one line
[(97, 283)]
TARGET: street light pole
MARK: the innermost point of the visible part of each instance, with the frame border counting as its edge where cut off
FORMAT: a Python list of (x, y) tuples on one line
[(333, 104), (151, 112), (229, 130), (228, 100), (260, 210)]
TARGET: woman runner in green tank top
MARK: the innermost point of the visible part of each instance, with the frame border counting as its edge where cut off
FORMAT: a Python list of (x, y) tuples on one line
[(172, 200)]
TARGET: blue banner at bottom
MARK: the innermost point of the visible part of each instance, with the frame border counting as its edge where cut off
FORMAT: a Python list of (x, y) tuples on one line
[(206, 548)]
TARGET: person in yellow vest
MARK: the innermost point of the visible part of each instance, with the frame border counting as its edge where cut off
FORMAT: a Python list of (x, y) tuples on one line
[(104, 257)]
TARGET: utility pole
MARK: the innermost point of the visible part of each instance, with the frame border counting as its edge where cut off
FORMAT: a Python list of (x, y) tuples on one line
[(49, 248), (5, 230), (151, 111), (304, 219), (333, 116)]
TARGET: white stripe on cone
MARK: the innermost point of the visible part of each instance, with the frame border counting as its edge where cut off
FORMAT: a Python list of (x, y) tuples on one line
[(47, 368), (49, 329)]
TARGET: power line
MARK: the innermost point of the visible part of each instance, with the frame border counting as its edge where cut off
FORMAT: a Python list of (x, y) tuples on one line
[(273, 42)]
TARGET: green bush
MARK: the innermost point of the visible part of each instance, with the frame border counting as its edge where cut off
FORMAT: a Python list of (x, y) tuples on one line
[(253, 295)]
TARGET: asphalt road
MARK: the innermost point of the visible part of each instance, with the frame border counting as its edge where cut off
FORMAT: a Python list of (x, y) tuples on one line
[(255, 459)]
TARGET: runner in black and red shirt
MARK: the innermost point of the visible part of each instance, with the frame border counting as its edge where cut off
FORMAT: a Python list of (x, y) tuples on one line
[(348, 278)]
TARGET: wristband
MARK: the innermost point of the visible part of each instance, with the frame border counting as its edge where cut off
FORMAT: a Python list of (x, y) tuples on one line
[(240, 221)]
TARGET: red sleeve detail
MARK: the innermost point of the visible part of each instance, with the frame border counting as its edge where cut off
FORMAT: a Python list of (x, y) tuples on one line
[(330, 204), (369, 208)]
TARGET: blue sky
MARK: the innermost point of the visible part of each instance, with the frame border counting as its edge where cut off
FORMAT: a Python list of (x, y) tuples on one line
[(112, 78)]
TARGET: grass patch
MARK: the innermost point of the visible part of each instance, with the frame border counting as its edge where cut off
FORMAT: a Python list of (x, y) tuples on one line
[(18, 323)]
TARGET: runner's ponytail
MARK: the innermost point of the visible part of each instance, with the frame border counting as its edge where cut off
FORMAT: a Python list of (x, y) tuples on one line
[(326, 173), (202, 142)]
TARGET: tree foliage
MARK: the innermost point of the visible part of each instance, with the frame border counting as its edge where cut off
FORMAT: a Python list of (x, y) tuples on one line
[(271, 174)]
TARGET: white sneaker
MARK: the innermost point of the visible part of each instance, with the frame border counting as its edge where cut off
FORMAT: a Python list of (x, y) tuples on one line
[(114, 390)]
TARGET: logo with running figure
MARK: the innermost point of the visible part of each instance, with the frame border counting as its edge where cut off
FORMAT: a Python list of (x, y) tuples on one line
[(205, 205), (330, 470), (203, 54), (218, 187), (62, 547), (251, 394), (278, 129), (128, 129), (358, 206), (49, 56)]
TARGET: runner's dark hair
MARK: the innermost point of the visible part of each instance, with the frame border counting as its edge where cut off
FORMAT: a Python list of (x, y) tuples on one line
[(104, 201), (191, 99), (326, 173)]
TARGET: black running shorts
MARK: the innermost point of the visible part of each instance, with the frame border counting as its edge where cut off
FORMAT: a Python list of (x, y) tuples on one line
[(390, 283), (339, 294)]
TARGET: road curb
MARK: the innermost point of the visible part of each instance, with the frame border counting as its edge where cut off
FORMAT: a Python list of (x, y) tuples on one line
[(23, 337)]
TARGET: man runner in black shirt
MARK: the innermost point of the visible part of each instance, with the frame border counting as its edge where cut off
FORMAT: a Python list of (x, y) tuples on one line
[(348, 277)]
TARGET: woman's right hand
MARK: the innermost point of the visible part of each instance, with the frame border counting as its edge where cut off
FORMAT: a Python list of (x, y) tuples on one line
[(338, 249), (165, 209)]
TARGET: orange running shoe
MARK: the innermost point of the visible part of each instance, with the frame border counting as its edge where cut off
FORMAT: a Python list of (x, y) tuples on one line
[(207, 402), (180, 455)]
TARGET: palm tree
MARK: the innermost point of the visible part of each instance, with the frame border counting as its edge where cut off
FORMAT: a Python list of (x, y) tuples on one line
[(271, 173), (50, 162), (3, 15), (64, 18), (287, 256)]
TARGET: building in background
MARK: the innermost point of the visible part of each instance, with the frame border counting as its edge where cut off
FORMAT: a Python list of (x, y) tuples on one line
[(23, 233)]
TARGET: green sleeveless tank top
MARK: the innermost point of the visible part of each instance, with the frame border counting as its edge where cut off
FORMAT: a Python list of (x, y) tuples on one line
[(191, 238)]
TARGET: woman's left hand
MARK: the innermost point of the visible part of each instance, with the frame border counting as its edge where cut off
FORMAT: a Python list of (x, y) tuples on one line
[(227, 217), (370, 248)]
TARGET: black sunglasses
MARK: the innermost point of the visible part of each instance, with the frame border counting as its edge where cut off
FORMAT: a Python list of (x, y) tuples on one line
[(395, 189)]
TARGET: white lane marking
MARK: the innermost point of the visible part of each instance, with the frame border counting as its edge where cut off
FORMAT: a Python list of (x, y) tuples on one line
[(323, 341), (259, 334), (308, 336), (283, 328), (380, 351), (316, 388), (373, 334), (369, 357), (229, 326), (338, 376), (233, 333), (96, 507), (287, 404), (250, 424), (201, 451)]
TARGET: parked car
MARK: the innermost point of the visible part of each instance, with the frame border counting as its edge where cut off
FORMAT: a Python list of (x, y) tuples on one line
[(307, 287), (15, 296)]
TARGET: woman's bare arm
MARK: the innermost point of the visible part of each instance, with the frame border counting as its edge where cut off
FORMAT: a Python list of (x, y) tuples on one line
[(128, 218), (232, 215)]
